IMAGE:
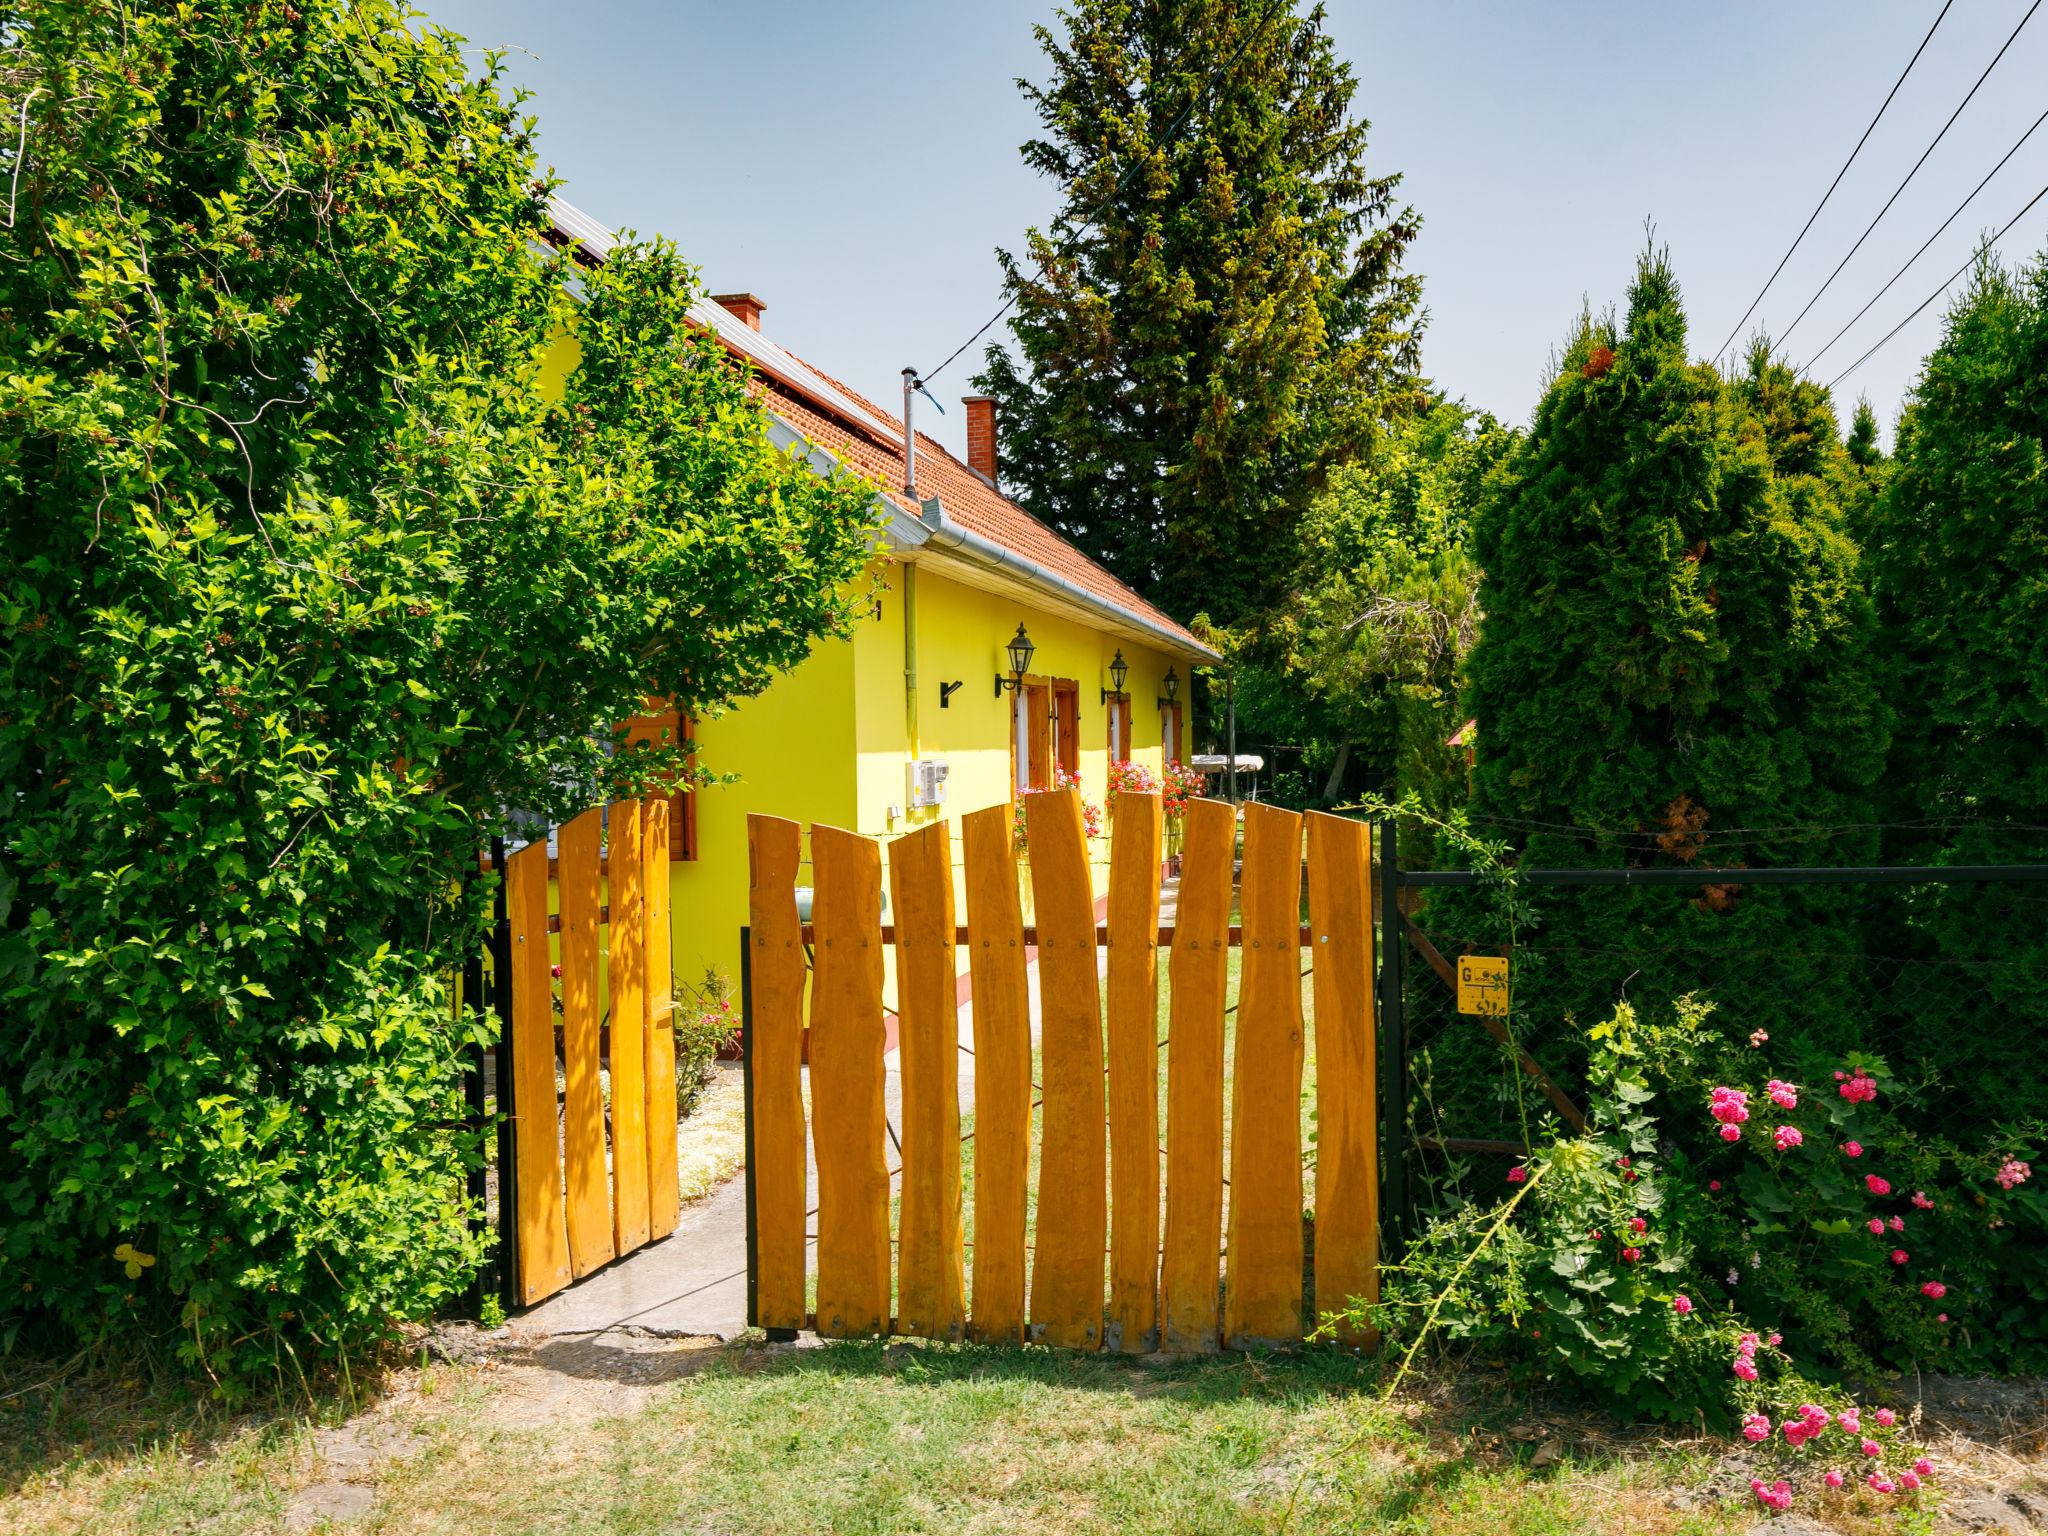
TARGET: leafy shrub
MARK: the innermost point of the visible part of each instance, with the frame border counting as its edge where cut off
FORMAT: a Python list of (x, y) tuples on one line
[(303, 582), (705, 1025)]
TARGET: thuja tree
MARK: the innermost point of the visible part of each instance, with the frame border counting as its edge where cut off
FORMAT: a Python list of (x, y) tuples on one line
[(303, 584), (1674, 665), (1959, 549), (1217, 312)]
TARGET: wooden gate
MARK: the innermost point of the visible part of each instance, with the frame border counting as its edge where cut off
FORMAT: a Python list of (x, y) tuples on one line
[(1100, 1273), (592, 1173)]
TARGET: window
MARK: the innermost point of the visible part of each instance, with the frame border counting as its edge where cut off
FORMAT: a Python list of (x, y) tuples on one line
[(661, 727), (1119, 730), (1169, 732), (1031, 737), (1066, 723)]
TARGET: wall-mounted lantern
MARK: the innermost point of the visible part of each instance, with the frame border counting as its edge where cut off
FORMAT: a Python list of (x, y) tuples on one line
[(1119, 669), (1020, 649), (1172, 687)]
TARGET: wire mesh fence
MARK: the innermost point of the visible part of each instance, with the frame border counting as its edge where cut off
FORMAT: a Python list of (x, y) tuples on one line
[(1942, 978)]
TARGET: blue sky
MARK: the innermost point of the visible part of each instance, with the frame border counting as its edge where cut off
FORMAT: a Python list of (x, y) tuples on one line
[(856, 165)]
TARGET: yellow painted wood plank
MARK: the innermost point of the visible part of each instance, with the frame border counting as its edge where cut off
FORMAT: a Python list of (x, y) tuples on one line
[(626, 971), (931, 1283), (589, 1185), (1199, 970), (1002, 1073), (775, 1048), (543, 1237), (1347, 1127), (1135, 842), (1262, 1283), (846, 1085), (664, 1199), (1073, 1211)]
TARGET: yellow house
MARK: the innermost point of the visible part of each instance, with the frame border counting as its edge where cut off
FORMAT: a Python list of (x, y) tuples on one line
[(920, 713)]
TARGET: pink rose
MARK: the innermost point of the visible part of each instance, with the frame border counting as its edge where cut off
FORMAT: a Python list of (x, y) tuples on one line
[(1637, 1224), (1714, 1186), (1784, 1095), (1897, 1223), (1745, 1368), (1776, 1497), (1921, 1202), (1899, 1255), (1908, 1481), (1871, 1448), (1886, 1418), (1630, 1255), (1682, 1305), (1877, 1226), (1924, 1467), (1517, 1175), (1731, 1133), (1881, 1483), (2013, 1172), (1852, 1149), (1756, 1427), (1774, 1339), (1832, 1478), (1787, 1137), (1941, 1317), (1876, 1185)]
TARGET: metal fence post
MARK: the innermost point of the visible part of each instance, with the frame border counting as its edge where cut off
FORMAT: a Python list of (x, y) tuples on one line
[(1393, 1052), (508, 1108), (476, 1111)]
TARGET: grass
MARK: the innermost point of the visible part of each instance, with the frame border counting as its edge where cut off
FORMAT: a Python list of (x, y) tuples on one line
[(856, 1437)]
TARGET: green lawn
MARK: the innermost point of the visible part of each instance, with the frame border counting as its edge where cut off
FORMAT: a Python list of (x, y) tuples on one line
[(848, 1438)]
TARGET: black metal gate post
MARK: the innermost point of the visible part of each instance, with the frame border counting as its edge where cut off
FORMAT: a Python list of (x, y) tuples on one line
[(1393, 1050), (477, 1111), (508, 1158)]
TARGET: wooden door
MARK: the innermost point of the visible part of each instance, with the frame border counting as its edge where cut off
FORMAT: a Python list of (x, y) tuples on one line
[(1066, 723)]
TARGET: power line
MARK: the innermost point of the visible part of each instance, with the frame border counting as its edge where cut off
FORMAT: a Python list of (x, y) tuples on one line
[(1887, 208), (1122, 182), (1887, 288), (1944, 288), (1780, 267)]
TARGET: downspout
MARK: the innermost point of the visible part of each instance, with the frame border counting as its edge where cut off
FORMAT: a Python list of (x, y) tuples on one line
[(910, 659)]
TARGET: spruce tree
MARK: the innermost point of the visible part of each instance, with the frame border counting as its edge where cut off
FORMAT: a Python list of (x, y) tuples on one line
[(1217, 312)]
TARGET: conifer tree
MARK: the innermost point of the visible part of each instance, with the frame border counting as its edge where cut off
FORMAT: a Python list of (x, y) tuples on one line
[(1217, 312), (1676, 638), (1960, 556)]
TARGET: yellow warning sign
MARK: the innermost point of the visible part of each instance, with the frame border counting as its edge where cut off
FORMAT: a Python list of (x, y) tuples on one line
[(1483, 984)]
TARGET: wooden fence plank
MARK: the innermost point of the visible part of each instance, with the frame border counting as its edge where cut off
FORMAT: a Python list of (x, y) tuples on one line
[(543, 1238), (590, 1187), (1200, 974), (1073, 1215), (846, 1086), (775, 1048), (664, 1201), (1347, 1151), (931, 1283), (1132, 1030), (626, 972), (1002, 1073), (1262, 1291)]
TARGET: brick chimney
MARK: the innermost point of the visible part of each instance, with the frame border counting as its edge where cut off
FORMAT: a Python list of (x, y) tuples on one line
[(743, 305), (981, 435)]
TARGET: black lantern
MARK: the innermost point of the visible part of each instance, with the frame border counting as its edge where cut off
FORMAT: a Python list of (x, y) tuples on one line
[(1172, 686), (1119, 669), (1020, 649)]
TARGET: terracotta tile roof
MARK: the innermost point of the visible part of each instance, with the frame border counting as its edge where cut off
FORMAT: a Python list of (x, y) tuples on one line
[(968, 499)]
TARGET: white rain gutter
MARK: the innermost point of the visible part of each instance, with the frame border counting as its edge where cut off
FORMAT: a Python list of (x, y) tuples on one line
[(933, 528), (944, 533)]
